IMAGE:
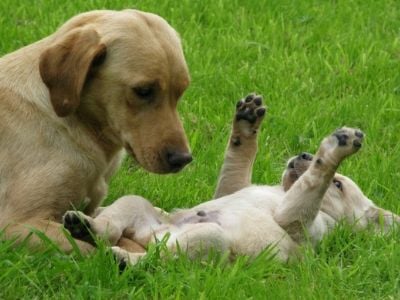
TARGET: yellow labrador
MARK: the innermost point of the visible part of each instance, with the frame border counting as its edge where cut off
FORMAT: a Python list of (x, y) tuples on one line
[(246, 219), (70, 103)]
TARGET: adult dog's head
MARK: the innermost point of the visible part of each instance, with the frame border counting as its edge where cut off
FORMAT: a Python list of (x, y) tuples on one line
[(343, 199), (121, 74)]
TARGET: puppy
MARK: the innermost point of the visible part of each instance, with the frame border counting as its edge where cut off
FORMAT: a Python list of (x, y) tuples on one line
[(70, 103), (246, 219)]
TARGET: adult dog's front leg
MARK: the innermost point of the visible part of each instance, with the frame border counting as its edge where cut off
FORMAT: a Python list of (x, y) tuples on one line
[(302, 202), (242, 147)]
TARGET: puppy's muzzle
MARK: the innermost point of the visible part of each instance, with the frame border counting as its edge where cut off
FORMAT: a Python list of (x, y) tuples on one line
[(304, 156)]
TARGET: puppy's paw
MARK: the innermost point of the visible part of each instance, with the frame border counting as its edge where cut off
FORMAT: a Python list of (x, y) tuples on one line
[(78, 225), (125, 258), (249, 114), (342, 143)]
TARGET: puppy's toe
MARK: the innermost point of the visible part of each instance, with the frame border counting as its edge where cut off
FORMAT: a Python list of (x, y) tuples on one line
[(250, 97), (260, 112)]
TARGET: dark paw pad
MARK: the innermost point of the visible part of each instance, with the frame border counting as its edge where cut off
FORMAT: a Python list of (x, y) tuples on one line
[(122, 263), (359, 134), (250, 108), (342, 137), (78, 227), (349, 137), (247, 115), (357, 144)]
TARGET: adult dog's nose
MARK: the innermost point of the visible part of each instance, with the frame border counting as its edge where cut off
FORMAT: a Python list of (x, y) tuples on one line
[(177, 160)]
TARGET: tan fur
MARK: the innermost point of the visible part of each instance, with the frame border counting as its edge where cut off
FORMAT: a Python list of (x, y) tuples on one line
[(254, 217), (68, 107)]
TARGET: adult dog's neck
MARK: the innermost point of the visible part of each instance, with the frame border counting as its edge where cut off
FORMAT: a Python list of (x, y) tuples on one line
[(19, 72)]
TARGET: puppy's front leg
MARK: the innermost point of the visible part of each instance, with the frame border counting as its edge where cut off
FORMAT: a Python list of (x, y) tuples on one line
[(302, 202), (242, 147)]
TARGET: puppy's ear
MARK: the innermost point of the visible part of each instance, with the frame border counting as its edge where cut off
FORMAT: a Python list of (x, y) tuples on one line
[(65, 65)]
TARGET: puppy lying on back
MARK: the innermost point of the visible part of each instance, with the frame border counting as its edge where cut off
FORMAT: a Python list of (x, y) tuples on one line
[(245, 219)]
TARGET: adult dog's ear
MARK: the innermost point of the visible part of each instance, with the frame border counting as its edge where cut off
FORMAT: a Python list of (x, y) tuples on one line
[(65, 65)]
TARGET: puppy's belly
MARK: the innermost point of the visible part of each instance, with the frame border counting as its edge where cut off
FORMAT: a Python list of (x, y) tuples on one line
[(198, 216), (246, 218)]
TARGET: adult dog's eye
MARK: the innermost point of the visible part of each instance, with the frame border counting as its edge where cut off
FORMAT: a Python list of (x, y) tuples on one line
[(145, 92), (338, 184)]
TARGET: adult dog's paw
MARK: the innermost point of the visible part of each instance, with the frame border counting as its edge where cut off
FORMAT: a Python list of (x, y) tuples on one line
[(78, 225), (249, 114)]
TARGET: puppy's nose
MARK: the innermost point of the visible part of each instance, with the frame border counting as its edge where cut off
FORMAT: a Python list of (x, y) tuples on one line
[(177, 160), (305, 156)]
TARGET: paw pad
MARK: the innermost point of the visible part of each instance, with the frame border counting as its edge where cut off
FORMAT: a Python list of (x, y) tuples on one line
[(78, 226), (249, 115), (342, 137), (349, 137), (250, 108), (342, 143)]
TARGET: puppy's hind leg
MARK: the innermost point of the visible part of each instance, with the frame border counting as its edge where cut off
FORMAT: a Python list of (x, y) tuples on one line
[(302, 201), (130, 216), (242, 147), (86, 228), (126, 257)]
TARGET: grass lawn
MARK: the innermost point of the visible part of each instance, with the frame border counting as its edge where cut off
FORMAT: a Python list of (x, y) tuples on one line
[(320, 65)]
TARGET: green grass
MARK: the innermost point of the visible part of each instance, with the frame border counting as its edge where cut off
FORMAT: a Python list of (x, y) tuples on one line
[(319, 65)]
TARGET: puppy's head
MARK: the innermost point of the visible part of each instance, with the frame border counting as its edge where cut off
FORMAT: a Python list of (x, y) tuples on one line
[(295, 167), (122, 74), (343, 198)]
